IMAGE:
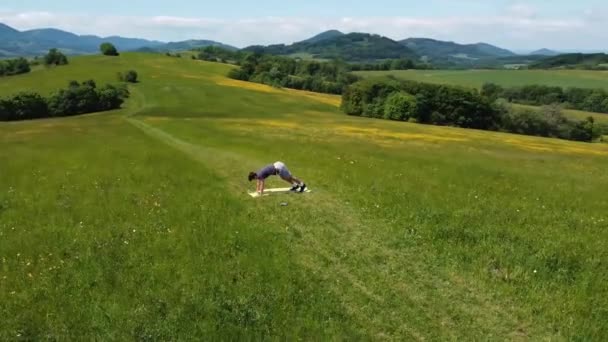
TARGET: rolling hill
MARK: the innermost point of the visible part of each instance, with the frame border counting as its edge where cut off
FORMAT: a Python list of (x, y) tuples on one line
[(354, 47), (545, 52), (136, 224), (436, 49), (323, 36), (451, 54)]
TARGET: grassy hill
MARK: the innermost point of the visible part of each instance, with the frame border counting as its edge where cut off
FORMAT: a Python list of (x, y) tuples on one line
[(353, 47), (136, 224)]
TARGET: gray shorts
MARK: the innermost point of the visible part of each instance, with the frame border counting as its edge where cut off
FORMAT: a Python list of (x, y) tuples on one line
[(282, 170)]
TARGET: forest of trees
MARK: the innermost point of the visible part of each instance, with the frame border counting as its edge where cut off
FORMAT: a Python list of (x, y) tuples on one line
[(78, 98), (322, 77), (394, 99), (591, 100), (389, 64)]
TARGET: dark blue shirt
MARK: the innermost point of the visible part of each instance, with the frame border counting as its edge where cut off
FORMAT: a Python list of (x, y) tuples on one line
[(266, 172)]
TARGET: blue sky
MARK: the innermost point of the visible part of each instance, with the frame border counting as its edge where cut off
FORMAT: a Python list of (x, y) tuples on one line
[(513, 24)]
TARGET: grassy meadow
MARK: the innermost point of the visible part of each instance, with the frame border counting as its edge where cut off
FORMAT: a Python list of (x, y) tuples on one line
[(136, 223), (506, 78)]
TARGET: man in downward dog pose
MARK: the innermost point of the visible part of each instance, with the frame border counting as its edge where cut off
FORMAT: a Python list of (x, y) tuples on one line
[(276, 169)]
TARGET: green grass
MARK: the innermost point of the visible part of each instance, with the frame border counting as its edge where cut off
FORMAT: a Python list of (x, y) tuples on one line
[(136, 224), (507, 78)]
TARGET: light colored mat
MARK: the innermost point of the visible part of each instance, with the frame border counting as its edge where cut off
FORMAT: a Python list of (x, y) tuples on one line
[(278, 191)]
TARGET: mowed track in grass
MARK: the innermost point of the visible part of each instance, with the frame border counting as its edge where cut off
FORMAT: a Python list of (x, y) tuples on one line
[(509, 78), (136, 223)]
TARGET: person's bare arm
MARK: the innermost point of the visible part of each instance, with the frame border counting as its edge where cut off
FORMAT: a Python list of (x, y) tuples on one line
[(260, 186)]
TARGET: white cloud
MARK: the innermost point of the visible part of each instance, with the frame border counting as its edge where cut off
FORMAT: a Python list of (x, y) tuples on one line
[(521, 26), (522, 10)]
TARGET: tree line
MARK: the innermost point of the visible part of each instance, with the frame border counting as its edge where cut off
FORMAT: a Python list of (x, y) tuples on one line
[(591, 100), (325, 77), (400, 100), (322, 77), (389, 64), (77, 98)]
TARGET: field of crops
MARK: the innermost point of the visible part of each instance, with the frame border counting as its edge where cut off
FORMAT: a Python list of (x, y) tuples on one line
[(136, 224)]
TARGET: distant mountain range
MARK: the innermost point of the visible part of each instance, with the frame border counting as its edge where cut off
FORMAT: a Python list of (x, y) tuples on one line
[(369, 47), (39, 41), (352, 47)]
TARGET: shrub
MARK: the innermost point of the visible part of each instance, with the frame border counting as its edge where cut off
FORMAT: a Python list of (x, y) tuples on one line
[(23, 106), (108, 49), (130, 76), (11, 67)]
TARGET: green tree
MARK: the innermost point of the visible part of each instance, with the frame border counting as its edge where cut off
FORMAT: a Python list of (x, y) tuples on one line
[(400, 106), (11, 67), (108, 49), (55, 57), (111, 97)]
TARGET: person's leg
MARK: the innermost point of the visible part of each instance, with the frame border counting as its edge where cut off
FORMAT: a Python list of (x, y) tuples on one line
[(296, 183), (291, 180)]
